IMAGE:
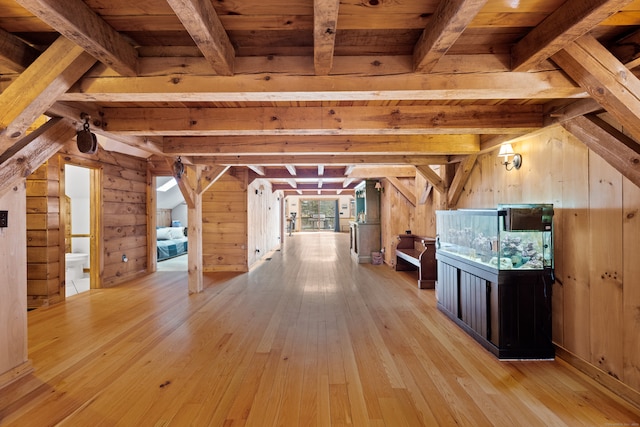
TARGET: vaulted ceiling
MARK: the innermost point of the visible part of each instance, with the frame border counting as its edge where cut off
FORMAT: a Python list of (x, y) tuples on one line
[(315, 94)]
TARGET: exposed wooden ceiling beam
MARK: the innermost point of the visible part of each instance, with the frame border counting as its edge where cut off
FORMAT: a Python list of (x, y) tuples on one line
[(302, 173), (201, 21), (36, 89), (381, 171), (444, 27), (607, 80), (291, 169), (460, 179), (325, 22), (570, 21), (15, 54), (260, 170), (74, 112), (431, 176), (327, 144), (312, 160), (266, 87), (626, 50), (314, 186), (75, 20), (375, 120), (613, 146), (304, 145), (407, 192), (33, 150), (317, 192), (555, 114), (291, 183)]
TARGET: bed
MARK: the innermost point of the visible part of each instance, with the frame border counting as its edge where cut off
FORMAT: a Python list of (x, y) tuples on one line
[(171, 242)]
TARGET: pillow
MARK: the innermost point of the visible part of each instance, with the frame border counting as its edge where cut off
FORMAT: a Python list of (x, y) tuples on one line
[(176, 232), (163, 234)]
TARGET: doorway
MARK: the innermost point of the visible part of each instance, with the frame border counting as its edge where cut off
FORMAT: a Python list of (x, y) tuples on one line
[(318, 214), (80, 212)]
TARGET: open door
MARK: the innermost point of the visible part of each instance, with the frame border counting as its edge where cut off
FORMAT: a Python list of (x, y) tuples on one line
[(81, 211)]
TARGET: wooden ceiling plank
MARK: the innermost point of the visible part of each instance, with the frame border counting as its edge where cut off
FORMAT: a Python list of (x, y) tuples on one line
[(75, 20), (36, 89), (431, 176), (203, 24), (615, 148), (444, 27), (266, 87), (330, 144), (15, 54), (325, 22), (608, 81), (406, 192), (33, 150), (450, 119), (569, 22)]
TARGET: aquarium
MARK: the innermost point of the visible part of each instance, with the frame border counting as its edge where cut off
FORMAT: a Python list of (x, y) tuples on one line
[(511, 237)]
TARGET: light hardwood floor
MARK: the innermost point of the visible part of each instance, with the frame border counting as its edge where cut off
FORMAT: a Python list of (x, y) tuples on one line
[(307, 338)]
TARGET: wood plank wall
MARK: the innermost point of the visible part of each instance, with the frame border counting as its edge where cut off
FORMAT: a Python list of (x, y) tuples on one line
[(13, 286), (264, 220), (224, 223), (399, 215), (45, 266), (596, 298), (124, 197)]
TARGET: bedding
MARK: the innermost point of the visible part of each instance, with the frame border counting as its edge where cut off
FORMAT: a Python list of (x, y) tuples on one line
[(171, 242)]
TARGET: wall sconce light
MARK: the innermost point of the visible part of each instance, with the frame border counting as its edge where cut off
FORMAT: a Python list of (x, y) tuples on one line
[(379, 187), (506, 151)]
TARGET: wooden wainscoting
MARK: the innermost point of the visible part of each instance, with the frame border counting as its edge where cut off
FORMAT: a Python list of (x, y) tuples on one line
[(307, 338)]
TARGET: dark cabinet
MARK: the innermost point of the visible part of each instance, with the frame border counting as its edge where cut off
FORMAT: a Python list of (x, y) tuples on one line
[(509, 313)]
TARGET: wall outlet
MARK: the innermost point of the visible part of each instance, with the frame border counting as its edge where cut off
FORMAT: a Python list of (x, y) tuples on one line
[(4, 218)]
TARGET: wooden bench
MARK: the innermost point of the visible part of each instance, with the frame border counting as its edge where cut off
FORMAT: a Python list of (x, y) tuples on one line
[(418, 252)]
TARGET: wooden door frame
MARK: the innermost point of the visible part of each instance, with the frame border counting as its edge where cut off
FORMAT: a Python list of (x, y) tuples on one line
[(96, 216)]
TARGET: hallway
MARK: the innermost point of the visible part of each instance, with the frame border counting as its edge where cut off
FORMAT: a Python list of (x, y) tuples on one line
[(306, 338)]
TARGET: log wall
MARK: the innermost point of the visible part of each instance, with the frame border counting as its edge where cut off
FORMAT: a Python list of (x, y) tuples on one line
[(45, 249)]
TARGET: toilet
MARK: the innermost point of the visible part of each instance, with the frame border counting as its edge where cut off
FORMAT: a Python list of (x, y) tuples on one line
[(75, 263)]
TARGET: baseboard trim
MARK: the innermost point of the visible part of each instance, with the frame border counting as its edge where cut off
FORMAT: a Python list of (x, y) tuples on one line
[(614, 385), (15, 374)]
